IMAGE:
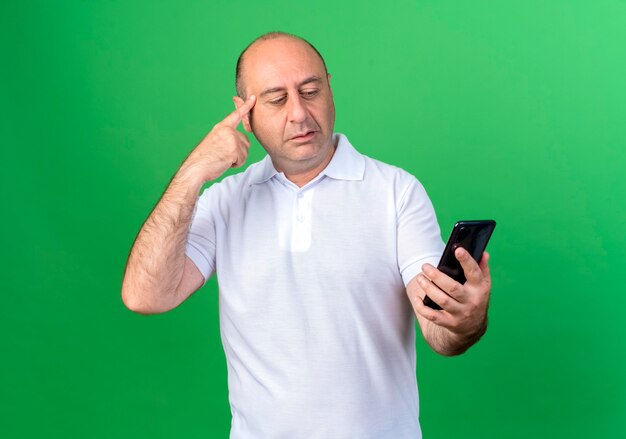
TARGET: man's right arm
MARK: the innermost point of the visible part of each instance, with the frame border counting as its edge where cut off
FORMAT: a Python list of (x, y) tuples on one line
[(159, 276)]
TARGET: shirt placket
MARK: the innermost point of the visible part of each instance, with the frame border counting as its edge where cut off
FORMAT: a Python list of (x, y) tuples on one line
[(301, 220)]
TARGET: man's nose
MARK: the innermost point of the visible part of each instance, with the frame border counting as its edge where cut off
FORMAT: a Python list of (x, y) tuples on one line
[(296, 108)]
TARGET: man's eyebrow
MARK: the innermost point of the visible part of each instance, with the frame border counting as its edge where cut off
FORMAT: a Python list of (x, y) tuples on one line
[(269, 91), (308, 80)]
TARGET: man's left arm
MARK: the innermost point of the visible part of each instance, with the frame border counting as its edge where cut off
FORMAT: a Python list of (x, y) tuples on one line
[(463, 318)]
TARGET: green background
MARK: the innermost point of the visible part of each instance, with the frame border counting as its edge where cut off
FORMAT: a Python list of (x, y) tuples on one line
[(502, 109)]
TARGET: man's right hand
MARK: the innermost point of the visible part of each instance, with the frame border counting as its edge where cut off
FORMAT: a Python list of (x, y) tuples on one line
[(224, 147)]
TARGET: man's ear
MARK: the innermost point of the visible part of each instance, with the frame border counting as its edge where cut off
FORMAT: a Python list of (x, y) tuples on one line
[(246, 119), (329, 87)]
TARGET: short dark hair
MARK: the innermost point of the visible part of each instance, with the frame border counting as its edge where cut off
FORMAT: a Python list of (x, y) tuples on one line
[(268, 36)]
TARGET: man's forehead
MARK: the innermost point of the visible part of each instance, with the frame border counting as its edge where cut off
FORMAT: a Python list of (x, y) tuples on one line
[(273, 62)]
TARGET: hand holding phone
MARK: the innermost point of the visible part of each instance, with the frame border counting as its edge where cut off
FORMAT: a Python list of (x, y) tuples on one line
[(473, 236)]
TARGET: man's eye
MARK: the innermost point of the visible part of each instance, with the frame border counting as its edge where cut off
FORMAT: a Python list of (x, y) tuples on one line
[(309, 93), (278, 101)]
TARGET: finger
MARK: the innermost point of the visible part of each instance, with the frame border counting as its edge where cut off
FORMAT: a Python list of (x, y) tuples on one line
[(414, 290), (444, 282), (445, 301), (239, 160), (438, 317), (248, 105), (244, 152), (242, 156), (243, 139), (470, 266), (234, 118), (416, 293), (484, 265)]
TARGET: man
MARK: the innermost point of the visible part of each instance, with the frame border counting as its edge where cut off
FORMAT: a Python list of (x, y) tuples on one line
[(318, 250)]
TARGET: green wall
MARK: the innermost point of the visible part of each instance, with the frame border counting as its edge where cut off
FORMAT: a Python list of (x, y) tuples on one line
[(507, 110)]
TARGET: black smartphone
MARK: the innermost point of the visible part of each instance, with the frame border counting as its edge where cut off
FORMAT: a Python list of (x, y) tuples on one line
[(473, 236)]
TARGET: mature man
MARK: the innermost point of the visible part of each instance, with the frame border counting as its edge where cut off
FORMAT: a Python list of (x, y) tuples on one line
[(320, 253)]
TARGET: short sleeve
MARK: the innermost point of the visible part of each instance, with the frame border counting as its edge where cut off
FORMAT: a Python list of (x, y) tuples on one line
[(419, 236), (200, 246)]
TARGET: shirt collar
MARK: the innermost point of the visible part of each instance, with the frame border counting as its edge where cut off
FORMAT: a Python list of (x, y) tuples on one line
[(263, 171), (346, 164)]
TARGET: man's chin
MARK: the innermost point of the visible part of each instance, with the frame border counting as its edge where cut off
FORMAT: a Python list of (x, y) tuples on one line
[(309, 152)]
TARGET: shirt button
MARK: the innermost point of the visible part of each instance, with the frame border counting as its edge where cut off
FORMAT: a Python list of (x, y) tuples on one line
[(301, 218), (300, 195)]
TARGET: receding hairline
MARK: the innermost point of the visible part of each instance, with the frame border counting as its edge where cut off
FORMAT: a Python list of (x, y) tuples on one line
[(266, 37)]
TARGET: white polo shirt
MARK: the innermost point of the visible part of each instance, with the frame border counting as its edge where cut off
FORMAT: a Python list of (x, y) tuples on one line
[(317, 329)]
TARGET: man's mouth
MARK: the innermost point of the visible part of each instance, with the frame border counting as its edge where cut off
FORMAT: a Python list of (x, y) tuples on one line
[(303, 136)]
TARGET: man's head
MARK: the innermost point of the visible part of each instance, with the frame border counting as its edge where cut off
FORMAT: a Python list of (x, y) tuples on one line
[(294, 114), (268, 36)]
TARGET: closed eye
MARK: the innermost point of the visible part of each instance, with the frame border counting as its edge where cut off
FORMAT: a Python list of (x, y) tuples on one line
[(278, 101), (309, 93)]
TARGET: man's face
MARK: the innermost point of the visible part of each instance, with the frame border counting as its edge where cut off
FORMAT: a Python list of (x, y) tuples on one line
[(294, 114)]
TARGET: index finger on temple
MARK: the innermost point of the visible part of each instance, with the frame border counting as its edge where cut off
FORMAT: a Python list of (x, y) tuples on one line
[(234, 118)]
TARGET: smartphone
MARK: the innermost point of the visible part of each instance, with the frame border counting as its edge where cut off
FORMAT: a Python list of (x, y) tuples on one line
[(473, 236)]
